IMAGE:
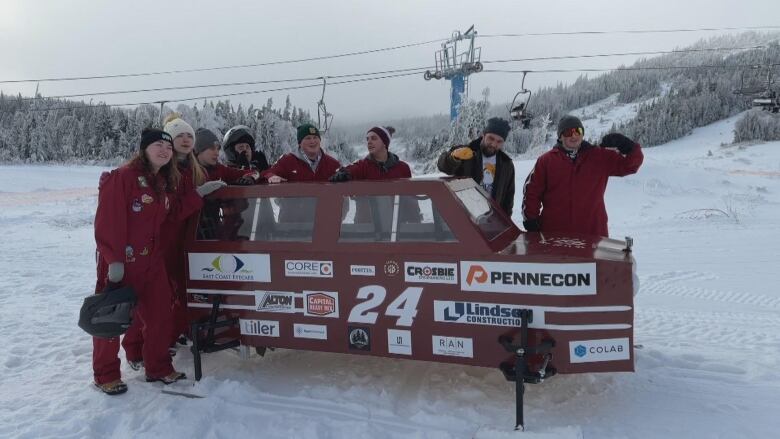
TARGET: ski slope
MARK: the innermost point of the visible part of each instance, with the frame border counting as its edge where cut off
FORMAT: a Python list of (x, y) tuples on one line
[(706, 224)]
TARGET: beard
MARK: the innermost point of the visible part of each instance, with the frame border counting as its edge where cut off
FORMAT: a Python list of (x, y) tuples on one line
[(487, 150)]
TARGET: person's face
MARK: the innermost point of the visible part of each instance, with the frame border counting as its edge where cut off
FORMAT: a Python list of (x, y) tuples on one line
[(244, 148), (572, 138), (159, 154), (183, 143), (310, 145), (209, 157), (375, 144), (491, 144)]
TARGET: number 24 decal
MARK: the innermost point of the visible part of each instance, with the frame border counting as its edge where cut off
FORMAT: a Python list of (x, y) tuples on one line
[(404, 306)]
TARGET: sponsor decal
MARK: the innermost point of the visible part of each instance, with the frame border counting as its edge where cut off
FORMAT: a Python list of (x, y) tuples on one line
[(391, 268), (399, 341), (432, 273), (359, 338), (241, 267), (589, 351), (362, 270), (129, 254), (137, 206), (142, 182), (321, 304), (453, 346), (262, 328), (528, 278), (274, 301), (147, 199), (316, 332), (488, 314), (300, 268)]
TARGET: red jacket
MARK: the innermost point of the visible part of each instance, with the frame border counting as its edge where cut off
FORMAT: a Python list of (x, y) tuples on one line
[(226, 174), (367, 169), (568, 196), (131, 209), (292, 167)]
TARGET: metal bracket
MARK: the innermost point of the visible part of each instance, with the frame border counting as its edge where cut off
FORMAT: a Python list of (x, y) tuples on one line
[(209, 344), (520, 372)]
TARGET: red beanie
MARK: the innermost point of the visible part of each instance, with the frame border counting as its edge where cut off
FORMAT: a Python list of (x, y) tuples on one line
[(383, 134)]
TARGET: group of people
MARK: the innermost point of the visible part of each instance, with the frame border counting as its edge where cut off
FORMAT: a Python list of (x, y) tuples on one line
[(145, 205)]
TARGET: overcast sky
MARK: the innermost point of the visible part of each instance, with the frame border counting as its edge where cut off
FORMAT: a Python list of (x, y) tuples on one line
[(40, 39)]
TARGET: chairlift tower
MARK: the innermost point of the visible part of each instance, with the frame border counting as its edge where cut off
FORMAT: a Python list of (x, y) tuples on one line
[(457, 59)]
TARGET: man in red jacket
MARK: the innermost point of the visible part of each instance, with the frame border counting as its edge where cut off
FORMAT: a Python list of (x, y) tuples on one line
[(379, 164), (308, 163), (565, 190), (207, 151)]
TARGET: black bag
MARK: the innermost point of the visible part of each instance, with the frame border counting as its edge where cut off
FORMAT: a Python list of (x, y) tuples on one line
[(109, 313)]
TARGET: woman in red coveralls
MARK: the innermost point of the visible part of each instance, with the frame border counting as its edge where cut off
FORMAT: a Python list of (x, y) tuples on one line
[(133, 202)]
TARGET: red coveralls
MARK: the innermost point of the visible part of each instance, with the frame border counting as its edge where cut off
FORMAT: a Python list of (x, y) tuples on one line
[(128, 220)]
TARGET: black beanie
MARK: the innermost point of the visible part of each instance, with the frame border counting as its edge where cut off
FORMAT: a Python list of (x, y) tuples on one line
[(497, 126), (151, 135), (305, 130), (567, 122), (204, 139)]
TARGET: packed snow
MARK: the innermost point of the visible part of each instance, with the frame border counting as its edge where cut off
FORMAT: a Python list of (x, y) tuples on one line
[(705, 222)]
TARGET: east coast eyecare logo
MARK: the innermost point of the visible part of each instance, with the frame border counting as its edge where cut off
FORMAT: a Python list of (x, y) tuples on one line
[(590, 351), (321, 304), (528, 278), (238, 267), (430, 272), (301, 268)]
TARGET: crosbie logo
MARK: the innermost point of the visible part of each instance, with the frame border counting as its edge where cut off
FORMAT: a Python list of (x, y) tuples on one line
[(429, 272)]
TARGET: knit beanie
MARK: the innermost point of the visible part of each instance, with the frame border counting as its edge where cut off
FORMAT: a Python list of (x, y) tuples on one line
[(305, 130), (204, 139), (151, 135), (177, 126), (567, 122), (383, 134), (497, 126)]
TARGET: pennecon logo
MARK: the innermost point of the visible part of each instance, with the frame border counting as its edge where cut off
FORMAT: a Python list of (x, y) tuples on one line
[(243, 267), (529, 278)]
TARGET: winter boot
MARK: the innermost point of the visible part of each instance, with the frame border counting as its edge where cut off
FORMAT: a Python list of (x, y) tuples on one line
[(136, 365), (168, 379), (115, 387)]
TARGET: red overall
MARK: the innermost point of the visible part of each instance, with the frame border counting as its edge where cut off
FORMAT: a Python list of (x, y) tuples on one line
[(128, 221)]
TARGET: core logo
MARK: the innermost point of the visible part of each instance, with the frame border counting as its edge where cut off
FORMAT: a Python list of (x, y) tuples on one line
[(308, 268), (321, 304)]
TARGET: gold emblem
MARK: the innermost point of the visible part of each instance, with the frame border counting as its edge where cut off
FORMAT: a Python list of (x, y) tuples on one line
[(147, 199), (312, 130), (144, 252)]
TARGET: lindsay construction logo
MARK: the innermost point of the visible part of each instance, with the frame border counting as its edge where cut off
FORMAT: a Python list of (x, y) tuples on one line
[(589, 351), (487, 314), (308, 268), (271, 301), (529, 278), (241, 267), (321, 304), (432, 273)]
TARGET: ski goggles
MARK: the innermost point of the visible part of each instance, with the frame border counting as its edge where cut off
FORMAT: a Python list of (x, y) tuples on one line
[(571, 131)]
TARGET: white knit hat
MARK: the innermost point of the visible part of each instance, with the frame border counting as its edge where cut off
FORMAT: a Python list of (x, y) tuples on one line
[(178, 126)]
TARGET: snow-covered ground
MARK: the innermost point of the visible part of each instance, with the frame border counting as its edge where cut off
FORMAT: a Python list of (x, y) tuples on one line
[(706, 224)]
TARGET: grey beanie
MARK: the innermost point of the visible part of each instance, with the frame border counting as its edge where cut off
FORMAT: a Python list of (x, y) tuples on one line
[(567, 122), (204, 139)]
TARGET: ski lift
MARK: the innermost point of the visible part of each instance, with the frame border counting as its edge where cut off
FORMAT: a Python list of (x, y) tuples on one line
[(761, 92), (324, 119), (520, 112)]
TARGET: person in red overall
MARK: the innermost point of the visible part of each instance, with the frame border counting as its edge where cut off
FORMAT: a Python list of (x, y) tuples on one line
[(379, 164), (564, 192), (207, 147), (133, 202)]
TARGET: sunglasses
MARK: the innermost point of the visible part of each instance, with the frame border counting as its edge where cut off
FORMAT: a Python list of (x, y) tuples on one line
[(572, 131)]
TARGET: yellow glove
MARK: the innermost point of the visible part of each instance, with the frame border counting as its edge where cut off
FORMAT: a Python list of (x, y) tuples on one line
[(463, 153)]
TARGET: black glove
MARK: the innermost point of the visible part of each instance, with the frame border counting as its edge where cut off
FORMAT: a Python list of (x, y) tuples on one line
[(242, 160), (532, 225), (340, 176), (619, 141), (246, 180)]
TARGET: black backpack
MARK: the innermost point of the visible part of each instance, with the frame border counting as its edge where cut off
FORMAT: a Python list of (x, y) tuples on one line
[(109, 313)]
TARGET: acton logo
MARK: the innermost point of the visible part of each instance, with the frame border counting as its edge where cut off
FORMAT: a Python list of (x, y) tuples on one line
[(226, 264), (476, 274)]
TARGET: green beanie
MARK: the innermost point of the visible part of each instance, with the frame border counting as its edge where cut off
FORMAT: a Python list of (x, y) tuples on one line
[(305, 130)]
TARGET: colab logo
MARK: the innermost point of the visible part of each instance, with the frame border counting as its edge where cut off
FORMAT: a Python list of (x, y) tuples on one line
[(589, 351), (225, 264), (580, 351), (477, 274)]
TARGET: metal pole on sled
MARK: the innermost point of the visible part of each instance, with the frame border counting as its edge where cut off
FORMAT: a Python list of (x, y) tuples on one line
[(520, 372)]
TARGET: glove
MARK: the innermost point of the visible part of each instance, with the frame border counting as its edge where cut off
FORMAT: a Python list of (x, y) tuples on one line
[(340, 176), (274, 179), (243, 161), (209, 187), (246, 180), (532, 225), (116, 271), (619, 141), (462, 153)]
